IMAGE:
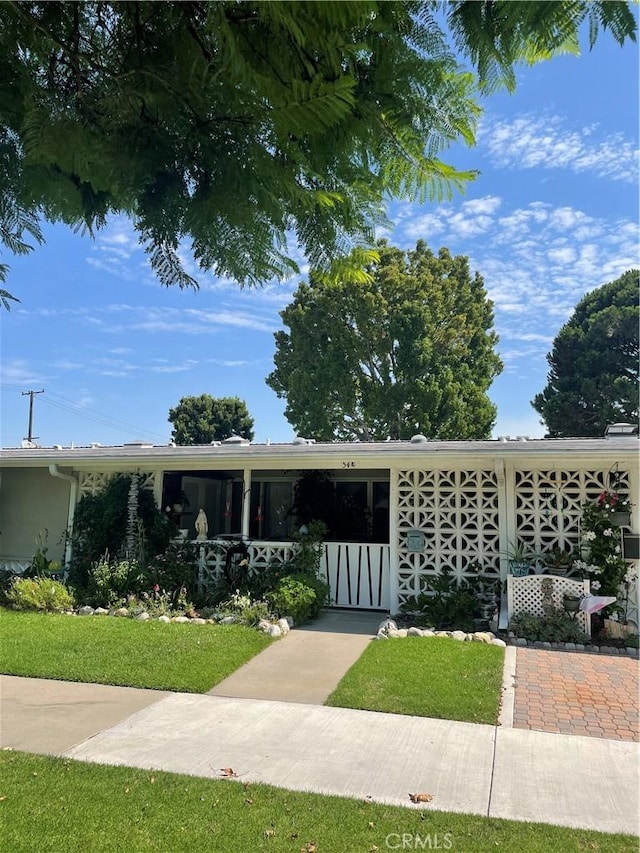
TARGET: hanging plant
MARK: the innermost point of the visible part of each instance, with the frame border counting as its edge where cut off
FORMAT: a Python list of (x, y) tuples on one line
[(601, 546)]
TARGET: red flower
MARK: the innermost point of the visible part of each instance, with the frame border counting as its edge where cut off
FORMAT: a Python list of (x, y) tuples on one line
[(156, 587)]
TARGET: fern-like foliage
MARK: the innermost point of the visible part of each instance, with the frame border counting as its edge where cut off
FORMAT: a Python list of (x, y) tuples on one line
[(229, 125)]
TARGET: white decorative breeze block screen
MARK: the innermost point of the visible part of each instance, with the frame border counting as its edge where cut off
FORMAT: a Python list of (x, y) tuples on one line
[(457, 510), (261, 554), (548, 504), (90, 483), (525, 595)]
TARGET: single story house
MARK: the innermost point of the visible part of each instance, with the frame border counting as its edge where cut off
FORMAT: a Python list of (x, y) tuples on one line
[(404, 509)]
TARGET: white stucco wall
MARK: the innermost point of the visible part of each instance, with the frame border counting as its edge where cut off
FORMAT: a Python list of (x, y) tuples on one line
[(32, 500)]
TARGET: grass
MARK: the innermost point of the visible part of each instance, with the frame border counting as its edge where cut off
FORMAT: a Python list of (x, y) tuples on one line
[(435, 677), (103, 650), (54, 804)]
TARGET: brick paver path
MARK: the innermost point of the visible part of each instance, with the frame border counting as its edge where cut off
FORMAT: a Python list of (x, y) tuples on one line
[(576, 694)]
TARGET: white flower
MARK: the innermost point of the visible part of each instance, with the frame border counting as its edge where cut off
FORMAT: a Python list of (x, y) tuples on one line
[(617, 549), (607, 532), (614, 617), (595, 586), (588, 535)]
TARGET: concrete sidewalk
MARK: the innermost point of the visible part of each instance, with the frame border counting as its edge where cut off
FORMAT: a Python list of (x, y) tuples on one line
[(296, 743), (572, 781)]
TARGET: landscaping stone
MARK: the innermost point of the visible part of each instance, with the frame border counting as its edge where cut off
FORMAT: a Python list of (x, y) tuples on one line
[(85, 611), (521, 641), (284, 626), (387, 625), (264, 625), (227, 620), (164, 618), (414, 632), (428, 633), (571, 647), (121, 611), (274, 631), (100, 611), (482, 636), (381, 636), (459, 635), (143, 617), (198, 621), (179, 619), (498, 642), (290, 621)]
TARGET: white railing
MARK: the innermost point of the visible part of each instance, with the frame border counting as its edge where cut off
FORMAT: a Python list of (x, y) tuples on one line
[(357, 574), (16, 565)]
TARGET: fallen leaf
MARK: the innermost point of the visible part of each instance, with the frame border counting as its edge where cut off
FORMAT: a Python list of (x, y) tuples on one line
[(152, 780), (309, 847), (248, 802), (269, 833), (420, 798), (2, 798), (373, 849), (227, 771), (126, 790), (370, 824)]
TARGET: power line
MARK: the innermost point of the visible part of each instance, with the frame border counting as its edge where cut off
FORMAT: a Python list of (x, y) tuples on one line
[(90, 414)]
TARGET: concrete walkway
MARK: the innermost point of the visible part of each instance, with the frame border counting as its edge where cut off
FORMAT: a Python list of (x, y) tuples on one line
[(307, 666), (495, 771)]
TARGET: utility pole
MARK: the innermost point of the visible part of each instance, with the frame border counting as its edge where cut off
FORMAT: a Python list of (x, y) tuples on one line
[(31, 395)]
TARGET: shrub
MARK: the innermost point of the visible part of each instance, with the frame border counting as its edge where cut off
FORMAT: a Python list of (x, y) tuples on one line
[(110, 584), (175, 569), (39, 594), (445, 603), (101, 523), (554, 627), (245, 609), (299, 596)]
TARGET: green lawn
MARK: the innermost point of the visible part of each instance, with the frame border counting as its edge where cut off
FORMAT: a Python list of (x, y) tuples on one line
[(54, 804), (435, 677), (103, 650)]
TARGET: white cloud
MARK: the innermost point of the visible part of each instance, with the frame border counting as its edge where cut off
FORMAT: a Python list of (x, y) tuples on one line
[(474, 217), (545, 142)]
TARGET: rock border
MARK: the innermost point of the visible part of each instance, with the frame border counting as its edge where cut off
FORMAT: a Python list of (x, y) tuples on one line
[(277, 628), (388, 629)]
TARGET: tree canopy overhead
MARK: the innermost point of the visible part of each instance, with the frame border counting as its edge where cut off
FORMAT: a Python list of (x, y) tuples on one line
[(594, 373), (203, 419), (409, 350), (231, 124)]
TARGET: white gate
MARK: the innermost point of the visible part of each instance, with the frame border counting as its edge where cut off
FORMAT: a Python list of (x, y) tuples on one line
[(357, 574)]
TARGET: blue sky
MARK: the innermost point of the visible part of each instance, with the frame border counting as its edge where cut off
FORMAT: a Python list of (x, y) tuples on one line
[(553, 215)]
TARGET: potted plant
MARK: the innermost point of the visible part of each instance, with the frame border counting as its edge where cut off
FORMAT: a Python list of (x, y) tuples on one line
[(557, 561), (520, 559), (617, 506), (571, 602)]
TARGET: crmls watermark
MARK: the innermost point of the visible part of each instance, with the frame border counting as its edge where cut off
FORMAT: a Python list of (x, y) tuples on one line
[(409, 841)]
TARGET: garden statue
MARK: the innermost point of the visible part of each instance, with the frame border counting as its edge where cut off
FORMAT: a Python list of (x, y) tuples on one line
[(202, 526)]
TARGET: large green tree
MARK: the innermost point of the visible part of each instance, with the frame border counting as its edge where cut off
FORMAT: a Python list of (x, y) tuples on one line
[(594, 373), (408, 350), (203, 419), (233, 124)]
